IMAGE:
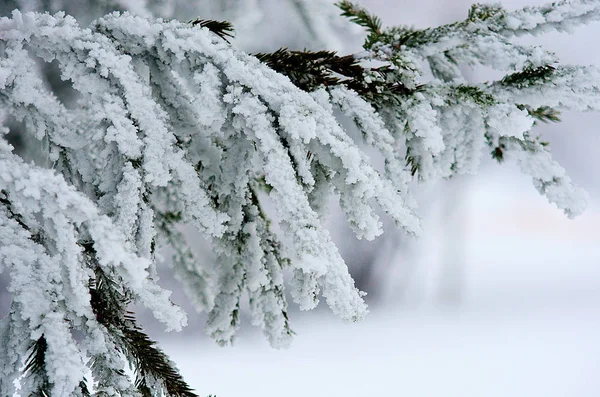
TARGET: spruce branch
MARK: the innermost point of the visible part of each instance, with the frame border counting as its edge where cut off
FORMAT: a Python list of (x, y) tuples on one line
[(36, 360), (151, 362), (475, 94), (559, 16), (186, 267), (83, 389), (529, 76), (35, 366), (494, 20), (545, 114), (223, 29), (109, 303), (498, 151), (362, 17), (17, 217), (310, 70), (463, 42), (482, 12), (529, 143), (189, 129), (272, 246)]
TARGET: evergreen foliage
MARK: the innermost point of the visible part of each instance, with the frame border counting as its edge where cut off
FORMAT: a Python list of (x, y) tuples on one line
[(223, 29), (168, 124)]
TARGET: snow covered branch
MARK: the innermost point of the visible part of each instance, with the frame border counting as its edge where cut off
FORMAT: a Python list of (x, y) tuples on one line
[(167, 124)]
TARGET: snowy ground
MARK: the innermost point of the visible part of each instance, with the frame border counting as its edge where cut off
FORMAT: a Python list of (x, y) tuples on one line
[(532, 351), (527, 323)]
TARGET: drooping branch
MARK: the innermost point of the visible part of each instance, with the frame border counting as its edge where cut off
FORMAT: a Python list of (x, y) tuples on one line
[(172, 126), (155, 372)]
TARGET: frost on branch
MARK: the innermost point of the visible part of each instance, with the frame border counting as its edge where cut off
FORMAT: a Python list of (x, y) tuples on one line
[(169, 125), (442, 125), (172, 126), (46, 227)]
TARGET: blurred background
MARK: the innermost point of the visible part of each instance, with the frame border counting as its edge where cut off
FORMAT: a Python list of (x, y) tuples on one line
[(499, 297)]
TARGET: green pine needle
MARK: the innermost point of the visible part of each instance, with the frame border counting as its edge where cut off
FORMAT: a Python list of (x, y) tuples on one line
[(109, 304), (529, 76), (310, 70), (35, 365), (85, 392), (545, 114), (36, 361), (360, 16), (223, 29)]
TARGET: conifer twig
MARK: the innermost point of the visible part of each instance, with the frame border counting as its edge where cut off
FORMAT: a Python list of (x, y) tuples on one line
[(223, 29)]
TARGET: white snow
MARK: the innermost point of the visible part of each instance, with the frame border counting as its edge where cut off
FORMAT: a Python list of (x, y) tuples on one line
[(528, 323)]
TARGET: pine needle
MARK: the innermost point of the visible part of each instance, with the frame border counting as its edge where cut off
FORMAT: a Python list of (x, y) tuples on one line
[(223, 29)]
